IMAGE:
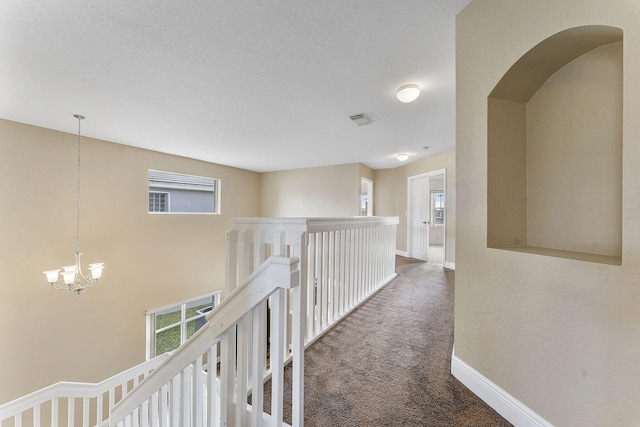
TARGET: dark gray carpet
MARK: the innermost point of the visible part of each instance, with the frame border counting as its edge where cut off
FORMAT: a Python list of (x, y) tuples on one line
[(388, 363)]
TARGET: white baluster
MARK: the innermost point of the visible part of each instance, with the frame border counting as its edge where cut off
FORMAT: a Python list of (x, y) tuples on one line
[(212, 408), (311, 287), (365, 261), (174, 408), (155, 421), (71, 411), (277, 359), (357, 265), (99, 410), (298, 300), (54, 412), (318, 284), (338, 273), (227, 377), (280, 243), (244, 336), (352, 268), (185, 404), (258, 361), (331, 284), (198, 398), (144, 413), (112, 398), (85, 412), (164, 403), (325, 280), (36, 416), (259, 248)]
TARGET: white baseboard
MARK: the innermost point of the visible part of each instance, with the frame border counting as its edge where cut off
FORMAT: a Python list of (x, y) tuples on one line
[(402, 253), (502, 402), (449, 265)]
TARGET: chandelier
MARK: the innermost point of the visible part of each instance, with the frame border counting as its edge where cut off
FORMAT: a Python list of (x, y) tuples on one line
[(71, 277)]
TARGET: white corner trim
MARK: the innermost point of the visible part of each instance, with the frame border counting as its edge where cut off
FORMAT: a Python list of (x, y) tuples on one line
[(449, 265), (402, 253), (502, 402)]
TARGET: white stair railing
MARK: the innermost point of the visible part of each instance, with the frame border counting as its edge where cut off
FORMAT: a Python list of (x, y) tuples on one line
[(75, 404), (344, 261), (185, 390)]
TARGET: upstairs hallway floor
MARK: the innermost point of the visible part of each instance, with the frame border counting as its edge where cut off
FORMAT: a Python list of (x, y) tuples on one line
[(389, 362)]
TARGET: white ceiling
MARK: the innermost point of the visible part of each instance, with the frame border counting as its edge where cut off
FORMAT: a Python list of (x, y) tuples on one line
[(260, 85)]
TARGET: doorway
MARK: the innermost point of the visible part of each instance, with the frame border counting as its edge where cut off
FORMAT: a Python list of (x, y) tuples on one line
[(426, 218), (366, 197)]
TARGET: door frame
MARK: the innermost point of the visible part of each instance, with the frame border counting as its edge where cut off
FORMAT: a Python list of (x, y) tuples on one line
[(409, 214), (369, 183)]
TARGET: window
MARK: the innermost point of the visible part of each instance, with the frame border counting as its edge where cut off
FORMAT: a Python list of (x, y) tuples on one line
[(171, 192), (437, 208), (170, 326), (158, 202)]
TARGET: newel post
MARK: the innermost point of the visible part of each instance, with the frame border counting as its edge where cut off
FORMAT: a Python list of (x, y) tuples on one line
[(231, 270)]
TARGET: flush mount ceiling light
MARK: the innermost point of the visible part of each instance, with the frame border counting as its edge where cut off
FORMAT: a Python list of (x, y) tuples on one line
[(402, 157), (408, 93)]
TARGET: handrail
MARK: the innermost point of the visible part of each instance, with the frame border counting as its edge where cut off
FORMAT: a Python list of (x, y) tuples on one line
[(76, 389), (274, 273), (319, 224)]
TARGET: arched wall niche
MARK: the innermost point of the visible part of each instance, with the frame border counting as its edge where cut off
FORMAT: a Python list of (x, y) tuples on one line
[(555, 149)]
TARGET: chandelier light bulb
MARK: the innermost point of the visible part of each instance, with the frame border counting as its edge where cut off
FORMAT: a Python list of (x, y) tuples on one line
[(408, 93)]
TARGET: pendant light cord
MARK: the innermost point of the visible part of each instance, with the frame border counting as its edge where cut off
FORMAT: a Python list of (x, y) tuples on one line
[(80, 118)]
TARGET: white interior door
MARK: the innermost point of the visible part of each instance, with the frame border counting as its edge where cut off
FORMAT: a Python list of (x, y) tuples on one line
[(419, 217)]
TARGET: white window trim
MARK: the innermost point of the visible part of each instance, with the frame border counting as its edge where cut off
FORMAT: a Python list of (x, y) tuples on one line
[(433, 208), (151, 320), (217, 191), (168, 201)]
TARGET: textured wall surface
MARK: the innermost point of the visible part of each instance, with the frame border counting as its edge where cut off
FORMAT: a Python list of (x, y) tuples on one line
[(313, 192), (560, 335)]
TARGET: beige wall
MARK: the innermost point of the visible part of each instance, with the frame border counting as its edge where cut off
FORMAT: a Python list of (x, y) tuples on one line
[(49, 336), (390, 196), (316, 192), (560, 335)]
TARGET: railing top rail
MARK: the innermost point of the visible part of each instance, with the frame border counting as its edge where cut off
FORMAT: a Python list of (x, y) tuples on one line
[(314, 224), (75, 389)]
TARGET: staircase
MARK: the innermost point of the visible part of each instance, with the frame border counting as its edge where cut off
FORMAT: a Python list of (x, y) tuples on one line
[(305, 274)]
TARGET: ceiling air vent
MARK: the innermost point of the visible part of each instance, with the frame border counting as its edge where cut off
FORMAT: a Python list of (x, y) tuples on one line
[(361, 119)]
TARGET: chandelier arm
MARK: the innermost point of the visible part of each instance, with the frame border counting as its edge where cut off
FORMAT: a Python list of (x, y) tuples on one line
[(60, 286)]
